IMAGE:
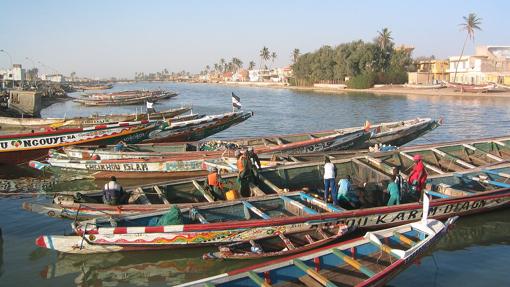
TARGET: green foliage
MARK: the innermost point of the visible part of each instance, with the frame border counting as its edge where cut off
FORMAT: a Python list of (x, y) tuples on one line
[(378, 61), (363, 81)]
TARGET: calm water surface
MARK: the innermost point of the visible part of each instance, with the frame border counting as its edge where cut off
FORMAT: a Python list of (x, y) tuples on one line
[(476, 252)]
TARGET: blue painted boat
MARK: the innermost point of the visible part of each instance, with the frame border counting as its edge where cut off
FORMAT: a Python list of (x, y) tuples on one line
[(371, 260)]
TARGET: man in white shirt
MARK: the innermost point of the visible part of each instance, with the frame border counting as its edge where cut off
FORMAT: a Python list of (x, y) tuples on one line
[(113, 193), (329, 180)]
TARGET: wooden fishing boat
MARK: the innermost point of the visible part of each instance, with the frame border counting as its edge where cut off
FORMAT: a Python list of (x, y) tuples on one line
[(21, 148), (425, 86), (293, 144), (281, 244), (474, 158), (371, 260), (169, 167), (198, 129), (283, 212), (472, 88), (48, 123), (126, 98), (92, 87)]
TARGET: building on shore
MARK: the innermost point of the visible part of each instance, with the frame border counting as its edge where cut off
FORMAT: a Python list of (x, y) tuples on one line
[(489, 64), (13, 77), (430, 72), (56, 78)]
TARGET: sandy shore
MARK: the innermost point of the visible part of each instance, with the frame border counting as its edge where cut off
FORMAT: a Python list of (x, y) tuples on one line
[(386, 90)]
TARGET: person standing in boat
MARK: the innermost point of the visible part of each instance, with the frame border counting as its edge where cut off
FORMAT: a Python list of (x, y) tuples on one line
[(329, 180), (346, 196), (215, 184), (113, 193), (399, 181), (418, 176), (255, 163), (393, 191), (150, 107), (244, 173)]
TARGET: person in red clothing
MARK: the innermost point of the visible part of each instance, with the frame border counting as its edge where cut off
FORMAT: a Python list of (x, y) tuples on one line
[(418, 175)]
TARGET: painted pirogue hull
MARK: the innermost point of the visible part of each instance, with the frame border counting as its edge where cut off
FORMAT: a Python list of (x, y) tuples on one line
[(363, 261), (293, 144), (21, 148), (400, 137), (199, 129), (127, 100), (114, 239), (34, 123), (472, 88)]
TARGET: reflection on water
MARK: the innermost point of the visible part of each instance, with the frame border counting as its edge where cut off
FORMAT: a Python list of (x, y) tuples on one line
[(1, 253), (134, 268), (484, 238)]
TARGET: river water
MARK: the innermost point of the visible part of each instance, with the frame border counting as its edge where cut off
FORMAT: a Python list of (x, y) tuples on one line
[(475, 253)]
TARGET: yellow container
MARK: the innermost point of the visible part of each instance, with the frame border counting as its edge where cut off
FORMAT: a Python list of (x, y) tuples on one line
[(231, 194)]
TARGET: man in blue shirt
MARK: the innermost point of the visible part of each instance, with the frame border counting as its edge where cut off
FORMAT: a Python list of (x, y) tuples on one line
[(346, 194)]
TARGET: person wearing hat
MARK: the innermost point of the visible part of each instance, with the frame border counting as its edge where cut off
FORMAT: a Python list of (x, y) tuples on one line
[(418, 175), (244, 173), (215, 184), (113, 193)]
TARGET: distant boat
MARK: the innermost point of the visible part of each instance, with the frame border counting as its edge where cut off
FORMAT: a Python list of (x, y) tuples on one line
[(472, 88), (125, 98), (23, 147), (425, 86), (8, 123)]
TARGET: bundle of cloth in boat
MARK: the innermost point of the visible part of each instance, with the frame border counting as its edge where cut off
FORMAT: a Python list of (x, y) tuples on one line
[(172, 217)]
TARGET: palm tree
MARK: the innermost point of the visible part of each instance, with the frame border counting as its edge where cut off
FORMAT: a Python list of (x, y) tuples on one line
[(273, 57), (384, 38), (471, 23), (264, 55), (237, 63), (223, 65), (251, 65), (295, 55)]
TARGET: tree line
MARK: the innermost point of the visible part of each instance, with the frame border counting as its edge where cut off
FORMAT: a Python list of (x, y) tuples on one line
[(363, 63)]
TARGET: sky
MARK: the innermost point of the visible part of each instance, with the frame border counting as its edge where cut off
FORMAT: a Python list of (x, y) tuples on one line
[(118, 38)]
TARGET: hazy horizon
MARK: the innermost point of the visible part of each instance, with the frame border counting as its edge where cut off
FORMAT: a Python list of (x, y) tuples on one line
[(118, 38)]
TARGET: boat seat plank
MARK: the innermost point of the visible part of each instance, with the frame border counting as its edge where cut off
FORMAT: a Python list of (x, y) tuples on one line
[(491, 156), (298, 205), (287, 241), (205, 194), (255, 210), (490, 182), (308, 281), (453, 158), (309, 238), (437, 194), (353, 262), (404, 239), (270, 184), (501, 174), (317, 202), (385, 248), (312, 273), (161, 195), (257, 279)]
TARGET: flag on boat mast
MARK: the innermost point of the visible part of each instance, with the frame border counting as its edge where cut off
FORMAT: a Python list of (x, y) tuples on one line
[(236, 102)]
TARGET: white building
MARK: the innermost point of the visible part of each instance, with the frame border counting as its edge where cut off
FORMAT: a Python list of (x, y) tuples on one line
[(57, 78), (489, 63), (16, 73)]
